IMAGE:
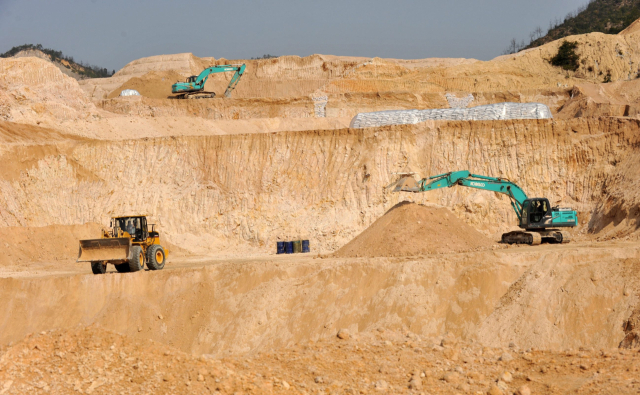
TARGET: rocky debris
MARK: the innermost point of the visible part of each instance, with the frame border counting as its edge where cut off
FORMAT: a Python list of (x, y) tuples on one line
[(452, 377), (506, 377), (343, 334), (523, 390), (505, 357), (416, 380), (95, 361)]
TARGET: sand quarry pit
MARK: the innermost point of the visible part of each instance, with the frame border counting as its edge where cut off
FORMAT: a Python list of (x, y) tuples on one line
[(402, 293), (412, 229)]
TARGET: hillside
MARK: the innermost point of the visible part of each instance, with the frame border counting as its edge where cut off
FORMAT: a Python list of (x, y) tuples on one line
[(604, 16), (65, 63)]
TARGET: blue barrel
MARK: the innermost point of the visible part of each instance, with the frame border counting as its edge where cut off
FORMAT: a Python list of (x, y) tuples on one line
[(288, 247), (280, 247), (305, 246)]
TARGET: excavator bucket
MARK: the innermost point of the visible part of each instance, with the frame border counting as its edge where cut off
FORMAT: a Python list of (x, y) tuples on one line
[(405, 184), (111, 249)]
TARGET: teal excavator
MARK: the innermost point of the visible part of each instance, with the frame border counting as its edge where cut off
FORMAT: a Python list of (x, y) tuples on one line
[(193, 87), (535, 215)]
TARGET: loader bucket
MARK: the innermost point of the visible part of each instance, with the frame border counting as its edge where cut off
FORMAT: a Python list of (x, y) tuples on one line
[(112, 249), (406, 184)]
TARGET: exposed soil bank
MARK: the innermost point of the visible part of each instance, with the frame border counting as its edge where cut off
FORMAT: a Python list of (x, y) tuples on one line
[(545, 297), (214, 193)]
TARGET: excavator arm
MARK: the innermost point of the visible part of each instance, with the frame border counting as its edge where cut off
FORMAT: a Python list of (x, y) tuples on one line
[(234, 81), (465, 178)]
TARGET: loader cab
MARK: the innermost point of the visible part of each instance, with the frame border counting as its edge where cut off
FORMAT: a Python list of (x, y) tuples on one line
[(536, 213), (136, 226)]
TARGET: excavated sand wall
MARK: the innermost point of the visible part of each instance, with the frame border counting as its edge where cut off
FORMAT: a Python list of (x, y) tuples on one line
[(331, 106), (327, 186), (534, 298)]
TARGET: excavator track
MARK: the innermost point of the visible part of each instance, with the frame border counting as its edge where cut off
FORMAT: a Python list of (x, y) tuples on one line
[(530, 238), (199, 95)]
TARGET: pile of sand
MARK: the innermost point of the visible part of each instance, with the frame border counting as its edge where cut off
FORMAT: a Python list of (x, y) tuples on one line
[(412, 229), (53, 243), (35, 91), (154, 84)]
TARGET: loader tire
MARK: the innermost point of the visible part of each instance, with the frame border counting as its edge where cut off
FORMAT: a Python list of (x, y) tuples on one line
[(136, 263), (155, 257), (122, 268), (99, 267)]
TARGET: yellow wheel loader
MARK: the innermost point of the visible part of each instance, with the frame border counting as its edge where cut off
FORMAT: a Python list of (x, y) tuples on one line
[(128, 244)]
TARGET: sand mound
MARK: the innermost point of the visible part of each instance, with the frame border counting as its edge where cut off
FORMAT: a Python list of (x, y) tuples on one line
[(35, 91), (413, 229), (154, 84), (52, 243), (616, 99), (181, 62)]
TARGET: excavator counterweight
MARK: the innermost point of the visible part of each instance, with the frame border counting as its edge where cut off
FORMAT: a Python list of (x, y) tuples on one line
[(535, 215)]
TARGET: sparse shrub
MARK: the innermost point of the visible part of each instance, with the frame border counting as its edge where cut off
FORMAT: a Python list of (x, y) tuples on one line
[(567, 58), (607, 78), (266, 56)]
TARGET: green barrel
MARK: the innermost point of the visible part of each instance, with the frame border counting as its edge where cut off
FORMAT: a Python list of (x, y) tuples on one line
[(297, 246)]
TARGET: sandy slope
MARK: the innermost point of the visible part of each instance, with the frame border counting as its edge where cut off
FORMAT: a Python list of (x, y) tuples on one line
[(95, 361), (410, 229)]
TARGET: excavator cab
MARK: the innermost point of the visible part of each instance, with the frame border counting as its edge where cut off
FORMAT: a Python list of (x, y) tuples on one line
[(536, 213), (193, 78)]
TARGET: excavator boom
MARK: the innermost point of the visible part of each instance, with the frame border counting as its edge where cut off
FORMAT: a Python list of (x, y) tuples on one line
[(465, 178)]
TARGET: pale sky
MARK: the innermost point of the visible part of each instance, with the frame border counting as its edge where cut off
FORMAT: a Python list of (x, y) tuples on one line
[(111, 33)]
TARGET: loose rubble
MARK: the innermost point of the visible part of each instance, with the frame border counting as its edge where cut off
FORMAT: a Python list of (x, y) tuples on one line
[(94, 361)]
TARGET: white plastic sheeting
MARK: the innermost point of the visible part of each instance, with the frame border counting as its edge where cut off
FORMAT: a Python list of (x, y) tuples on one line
[(129, 92), (320, 105), (479, 113), (454, 102)]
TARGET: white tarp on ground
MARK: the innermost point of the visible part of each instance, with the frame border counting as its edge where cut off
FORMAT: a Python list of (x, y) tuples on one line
[(479, 113), (129, 92)]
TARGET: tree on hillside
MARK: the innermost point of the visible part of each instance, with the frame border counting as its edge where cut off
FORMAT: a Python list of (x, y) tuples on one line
[(567, 58)]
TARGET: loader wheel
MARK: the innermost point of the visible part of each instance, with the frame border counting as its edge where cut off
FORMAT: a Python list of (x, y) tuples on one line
[(137, 261), (99, 267), (155, 257), (122, 268)]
